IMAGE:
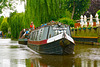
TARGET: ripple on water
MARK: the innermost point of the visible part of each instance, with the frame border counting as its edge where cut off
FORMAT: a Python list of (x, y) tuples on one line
[(8, 42), (12, 50), (13, 54), (91, 54)]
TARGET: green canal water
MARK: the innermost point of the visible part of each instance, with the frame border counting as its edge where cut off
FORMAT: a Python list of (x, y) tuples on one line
[(13, 54)]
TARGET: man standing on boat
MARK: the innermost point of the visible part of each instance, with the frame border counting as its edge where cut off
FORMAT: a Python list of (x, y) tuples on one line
[(32, 26)]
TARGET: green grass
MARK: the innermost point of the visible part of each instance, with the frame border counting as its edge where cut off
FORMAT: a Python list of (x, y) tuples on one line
[(14, 46)]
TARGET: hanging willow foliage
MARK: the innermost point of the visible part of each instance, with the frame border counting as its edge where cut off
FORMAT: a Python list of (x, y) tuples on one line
[(16, 23), (42, 11), (38, 11)]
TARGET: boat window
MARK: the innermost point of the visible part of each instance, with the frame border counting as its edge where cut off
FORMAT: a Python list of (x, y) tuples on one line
[(30, 36), (37, 35), (40, 34), (34, 36)]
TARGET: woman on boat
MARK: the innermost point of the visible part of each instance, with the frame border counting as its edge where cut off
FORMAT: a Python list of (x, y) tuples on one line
[(32, 26)]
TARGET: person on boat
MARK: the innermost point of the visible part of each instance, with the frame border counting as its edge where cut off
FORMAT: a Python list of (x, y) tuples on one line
[(26, 33), (32, 26), (41, 25), (29, 33), (21, 33)]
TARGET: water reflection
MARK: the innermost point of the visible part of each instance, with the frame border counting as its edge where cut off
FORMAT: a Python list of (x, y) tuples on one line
[(53, 61), (89, 52), (49, 62), (12, 63), (62, 61), (13, 54), (90, 63), (87, 56)]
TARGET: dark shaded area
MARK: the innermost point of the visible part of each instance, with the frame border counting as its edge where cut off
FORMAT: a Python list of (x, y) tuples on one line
[(94, 7)]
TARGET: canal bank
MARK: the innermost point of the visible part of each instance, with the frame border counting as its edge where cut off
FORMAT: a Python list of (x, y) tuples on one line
[(86, 35)]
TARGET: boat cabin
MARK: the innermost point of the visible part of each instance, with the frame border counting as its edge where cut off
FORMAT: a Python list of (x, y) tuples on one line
[(49, 31)]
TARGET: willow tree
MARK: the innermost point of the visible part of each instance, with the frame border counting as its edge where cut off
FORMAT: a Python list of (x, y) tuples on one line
[(42, 11), (4, 3), (16, 23), (77, 7), (1, 19), (4, 25)]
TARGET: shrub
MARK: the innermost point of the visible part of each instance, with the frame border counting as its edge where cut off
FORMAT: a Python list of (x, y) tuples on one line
[(7, 35), (67, 21), (4, 27), (98, 13)]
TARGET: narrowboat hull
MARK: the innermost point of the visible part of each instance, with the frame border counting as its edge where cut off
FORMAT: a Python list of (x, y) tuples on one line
[(23, 41), (60, 47)]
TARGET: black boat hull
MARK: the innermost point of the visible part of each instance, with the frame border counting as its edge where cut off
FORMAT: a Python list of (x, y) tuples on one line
[(22, 41), (60, 47)]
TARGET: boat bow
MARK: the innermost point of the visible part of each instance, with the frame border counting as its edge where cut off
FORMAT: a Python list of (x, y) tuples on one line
[(60, 36)]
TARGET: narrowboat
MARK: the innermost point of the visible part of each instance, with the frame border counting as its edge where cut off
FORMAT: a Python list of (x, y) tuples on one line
[(23, 37), (22, 41), (52, 38)]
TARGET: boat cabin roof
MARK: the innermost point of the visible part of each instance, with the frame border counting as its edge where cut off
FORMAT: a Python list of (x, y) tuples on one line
[(50, 24)]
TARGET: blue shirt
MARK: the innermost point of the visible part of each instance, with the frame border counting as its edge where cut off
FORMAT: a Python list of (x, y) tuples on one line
[(27, 32)]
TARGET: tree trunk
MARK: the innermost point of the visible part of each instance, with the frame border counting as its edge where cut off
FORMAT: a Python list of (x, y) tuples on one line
[(73, 10)]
